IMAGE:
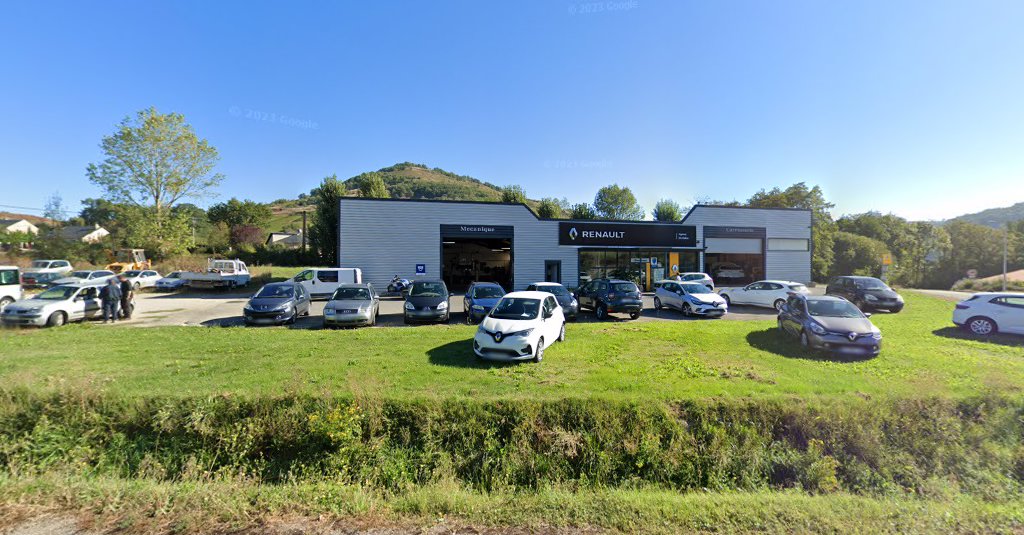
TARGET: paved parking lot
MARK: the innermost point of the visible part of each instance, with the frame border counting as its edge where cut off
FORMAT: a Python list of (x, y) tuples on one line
[(222, 309)]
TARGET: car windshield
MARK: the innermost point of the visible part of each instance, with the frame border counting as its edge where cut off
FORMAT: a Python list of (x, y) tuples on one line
[(833, 309), (487, 292), (427, 289), (132, 273), (174, 275), (870, 284), (696, 289), (361, 294), (40, 264), (624, 287), (276, 292), (516, 308), (57, 293), (554, 290), (81, 274), (8, 276)]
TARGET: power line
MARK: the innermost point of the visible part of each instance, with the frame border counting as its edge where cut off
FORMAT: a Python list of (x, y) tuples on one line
[(31, 209)]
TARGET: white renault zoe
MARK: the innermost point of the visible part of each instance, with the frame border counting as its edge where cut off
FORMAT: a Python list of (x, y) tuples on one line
[(520, 327)]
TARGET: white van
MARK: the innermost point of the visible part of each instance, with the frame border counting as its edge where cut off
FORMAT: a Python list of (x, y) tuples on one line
[(10, 285), (321, 282)]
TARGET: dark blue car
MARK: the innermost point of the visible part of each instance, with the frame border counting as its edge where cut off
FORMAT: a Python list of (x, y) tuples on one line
[(480, 299)]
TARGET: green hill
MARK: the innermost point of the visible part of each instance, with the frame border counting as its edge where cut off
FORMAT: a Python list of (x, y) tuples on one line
[(404, 181), (996, 217)]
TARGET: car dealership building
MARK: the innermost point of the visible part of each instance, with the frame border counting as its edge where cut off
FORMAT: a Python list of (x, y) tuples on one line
[(460, 242)]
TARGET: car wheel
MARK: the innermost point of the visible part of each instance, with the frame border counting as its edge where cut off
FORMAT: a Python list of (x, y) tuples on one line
[(982, 326), (561, 334), (539, 354), (136, 286), (4, 302), (657, 303), (601, 312), (634, 315), (778, 304), (686, 310), (728, 302), (57, 319)]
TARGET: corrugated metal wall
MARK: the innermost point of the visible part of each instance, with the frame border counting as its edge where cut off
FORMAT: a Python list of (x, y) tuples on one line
[(385, 237)]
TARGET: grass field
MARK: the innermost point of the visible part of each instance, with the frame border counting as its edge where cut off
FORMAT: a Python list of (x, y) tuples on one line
[(922, 356), (654, 427)]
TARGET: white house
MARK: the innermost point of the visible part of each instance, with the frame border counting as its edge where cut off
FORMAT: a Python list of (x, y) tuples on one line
[(288, 240), (86, 234), (18, 225)]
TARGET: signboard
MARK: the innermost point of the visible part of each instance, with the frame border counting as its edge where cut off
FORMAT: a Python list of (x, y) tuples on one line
[(734, 232), (476, 231), (626, 234), (421, 269), (886, 259), (654, 261)]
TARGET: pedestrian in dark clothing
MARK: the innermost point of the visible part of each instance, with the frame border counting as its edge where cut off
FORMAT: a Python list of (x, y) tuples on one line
[(126, 297), (110, 296)]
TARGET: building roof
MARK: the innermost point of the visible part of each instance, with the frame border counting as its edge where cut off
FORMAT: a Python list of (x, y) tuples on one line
[(73, 232)]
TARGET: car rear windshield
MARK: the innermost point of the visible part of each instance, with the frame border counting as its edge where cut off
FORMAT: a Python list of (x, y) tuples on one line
[(516, 308), (276, 292), (487, 292), (833, 309), (40, 264), (351, 293), (797, 287), (427, 289), (58, 293), (554, 290), (624, 287), (870, 284), (174, 275), (696, 289)]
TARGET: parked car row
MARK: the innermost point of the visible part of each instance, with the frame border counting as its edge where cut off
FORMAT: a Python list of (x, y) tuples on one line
[(57, 305)]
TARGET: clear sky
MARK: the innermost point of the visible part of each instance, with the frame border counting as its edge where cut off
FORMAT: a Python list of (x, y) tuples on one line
[(911, 107)]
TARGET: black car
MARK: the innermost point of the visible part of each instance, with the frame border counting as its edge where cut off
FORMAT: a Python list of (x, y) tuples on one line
[(564, 298), (427, 301), (607, 296), (868, 293), (277, 303)]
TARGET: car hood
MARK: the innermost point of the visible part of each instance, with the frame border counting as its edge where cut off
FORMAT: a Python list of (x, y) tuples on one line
[(506, 326), (426, 301), (267, 303), (28, 304), (884, 294), (846, 325), (710, 299), (488, 302), (348, 304)]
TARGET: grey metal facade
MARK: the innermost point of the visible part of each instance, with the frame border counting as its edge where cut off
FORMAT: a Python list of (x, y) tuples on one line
[(384, 237)]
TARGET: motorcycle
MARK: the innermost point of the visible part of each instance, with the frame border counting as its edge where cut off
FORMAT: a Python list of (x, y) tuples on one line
[(399, 286)]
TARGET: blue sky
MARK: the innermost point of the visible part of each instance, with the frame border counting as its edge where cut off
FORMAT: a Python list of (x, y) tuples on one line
[(914, 108)]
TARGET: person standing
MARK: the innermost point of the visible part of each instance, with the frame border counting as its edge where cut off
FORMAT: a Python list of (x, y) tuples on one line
[(127, 293), (110, 297)]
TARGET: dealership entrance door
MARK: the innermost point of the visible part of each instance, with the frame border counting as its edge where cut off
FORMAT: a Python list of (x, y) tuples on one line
[(472, 253)]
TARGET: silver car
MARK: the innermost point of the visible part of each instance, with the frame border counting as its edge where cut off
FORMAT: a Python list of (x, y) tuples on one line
[(352, 305), (56, 306), (829, 323)]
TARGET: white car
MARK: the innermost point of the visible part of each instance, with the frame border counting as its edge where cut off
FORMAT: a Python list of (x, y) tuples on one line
[(142, 278), (728, 270), (10, 285), (98, 275), (770, 293), (172, 281), (56, 306), (991, 312), (50, 266), (690, 298), (520, 327), (702, 278)]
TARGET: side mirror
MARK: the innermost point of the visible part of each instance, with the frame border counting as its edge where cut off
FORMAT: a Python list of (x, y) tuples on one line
[(548, 314), (867, 314)]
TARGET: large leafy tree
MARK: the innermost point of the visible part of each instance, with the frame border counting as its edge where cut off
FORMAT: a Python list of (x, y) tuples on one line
[(667, 210), (323, 231), (513, 194), (583, 211), (799, 195), (614, 202), (550, 209), (857, 255), (372, 186), (234, 213), (98, 212)]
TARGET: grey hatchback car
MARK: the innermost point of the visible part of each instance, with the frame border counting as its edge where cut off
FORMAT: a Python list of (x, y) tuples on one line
[(276, 303), (351, 305), (829, 323)]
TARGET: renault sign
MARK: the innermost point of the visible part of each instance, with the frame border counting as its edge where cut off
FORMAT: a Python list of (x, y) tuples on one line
[(626, 234)]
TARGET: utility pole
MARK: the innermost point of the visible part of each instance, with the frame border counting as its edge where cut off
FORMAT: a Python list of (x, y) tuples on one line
[(303, 232), (1006, 242)]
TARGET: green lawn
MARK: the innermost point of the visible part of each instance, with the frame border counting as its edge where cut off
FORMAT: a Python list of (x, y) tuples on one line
[(922, 356)]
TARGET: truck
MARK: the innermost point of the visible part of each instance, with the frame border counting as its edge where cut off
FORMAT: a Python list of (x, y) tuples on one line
[(220, 273)]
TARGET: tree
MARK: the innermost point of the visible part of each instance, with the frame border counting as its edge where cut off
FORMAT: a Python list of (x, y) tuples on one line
[(857, 255), (823, 227), (152, 162), (54, 208), (614, 202), (372, 186), (161, 234), (323, 231), (667, 210), (583, 211), (98, 212), (550, 209), (236, 213), (513, 194), (247, 236), (971, 246)]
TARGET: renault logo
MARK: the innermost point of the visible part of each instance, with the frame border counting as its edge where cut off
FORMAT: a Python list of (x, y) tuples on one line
[(572, 233), (497, 336), (852, 336)]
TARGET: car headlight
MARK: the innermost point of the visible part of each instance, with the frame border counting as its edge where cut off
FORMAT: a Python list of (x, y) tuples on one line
[(524, 332), (248, 307), (574, 302), (477, 307), (442, 305), (816, 328), (870, 297), (876, 335), (328, 312), (409, 306), (899, 298), (285, 306)]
